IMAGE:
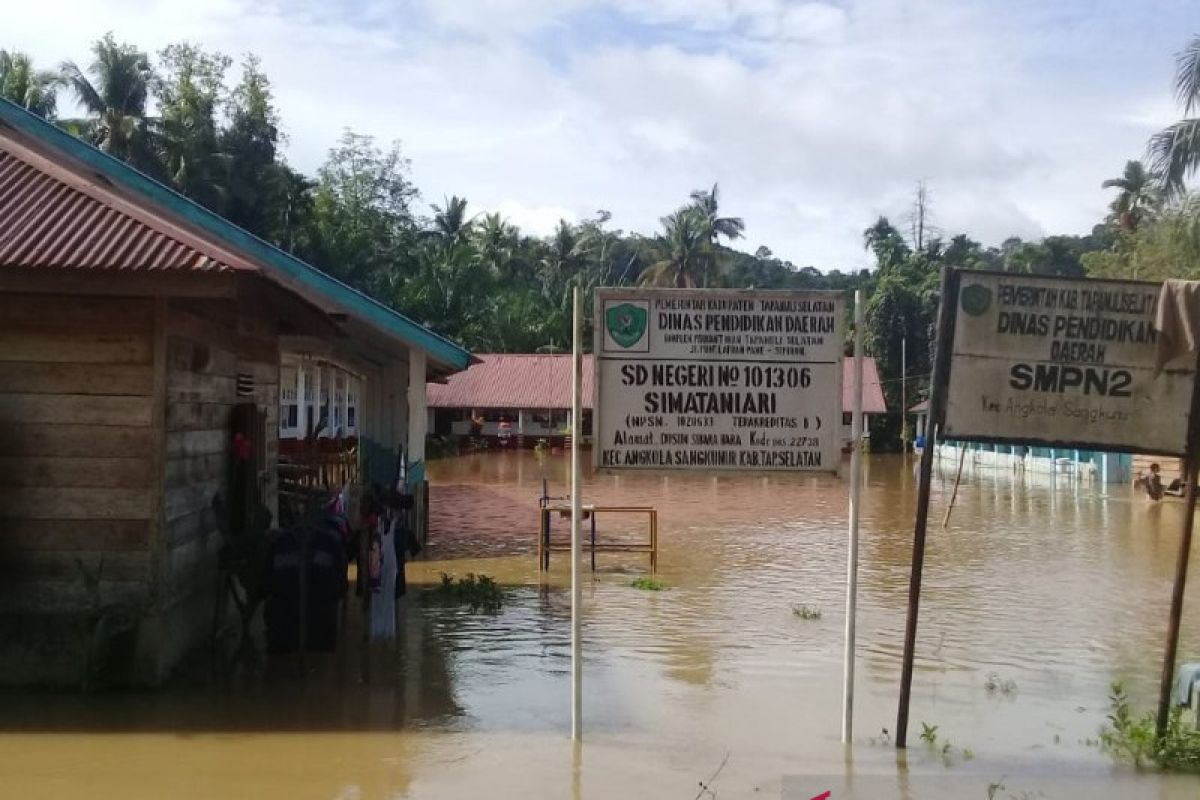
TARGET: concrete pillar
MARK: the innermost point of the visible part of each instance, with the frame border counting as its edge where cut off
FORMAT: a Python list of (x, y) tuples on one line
[(521, 421)]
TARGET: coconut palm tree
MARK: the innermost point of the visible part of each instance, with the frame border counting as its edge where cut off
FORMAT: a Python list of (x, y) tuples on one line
[(36, 90), (451, 226), (496, 241), (1175, 150), (709, 205), (1138, 198), (685, 252), (114, 91)]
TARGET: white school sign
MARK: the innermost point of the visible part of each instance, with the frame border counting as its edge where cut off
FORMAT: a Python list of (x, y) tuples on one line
[(1062, 362), (718, 379)]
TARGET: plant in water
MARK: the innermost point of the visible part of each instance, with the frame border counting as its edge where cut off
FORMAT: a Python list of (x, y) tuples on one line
[(648, 584), (476, 592), (806, 612), (929, 733), (996, 685), (1132, 739)]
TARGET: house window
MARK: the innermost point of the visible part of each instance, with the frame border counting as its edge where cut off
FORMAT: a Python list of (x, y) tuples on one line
[(339, 402), (847, 418), (310, 398), (289, 408), (352, 407)]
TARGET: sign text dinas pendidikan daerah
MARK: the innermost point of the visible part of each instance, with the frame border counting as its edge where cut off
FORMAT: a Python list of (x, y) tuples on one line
[(718, 379), (1066, 362)]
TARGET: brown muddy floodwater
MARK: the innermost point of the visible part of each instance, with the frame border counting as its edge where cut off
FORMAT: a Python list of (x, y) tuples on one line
[(1051, 591)]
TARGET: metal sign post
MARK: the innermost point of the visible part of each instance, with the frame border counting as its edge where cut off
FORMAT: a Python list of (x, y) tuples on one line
[(576, 517), (852, 550), (937, 405), (1061, 363), (1191, 471)]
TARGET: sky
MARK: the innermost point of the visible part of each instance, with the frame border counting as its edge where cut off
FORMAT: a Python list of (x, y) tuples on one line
[(814, 117)]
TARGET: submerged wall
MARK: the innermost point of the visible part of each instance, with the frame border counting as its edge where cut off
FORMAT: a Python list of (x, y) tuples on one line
[(79, 452)]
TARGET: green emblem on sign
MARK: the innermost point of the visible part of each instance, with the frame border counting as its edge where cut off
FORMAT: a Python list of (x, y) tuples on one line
[(976, 300), (626, 324)]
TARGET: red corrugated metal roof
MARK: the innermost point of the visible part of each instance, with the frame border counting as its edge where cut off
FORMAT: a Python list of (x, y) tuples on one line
[(873, 402), (544, 381), (47, 222), (512, 381)]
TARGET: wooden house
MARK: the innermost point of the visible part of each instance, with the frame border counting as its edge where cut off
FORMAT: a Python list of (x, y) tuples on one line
[(132, 322)]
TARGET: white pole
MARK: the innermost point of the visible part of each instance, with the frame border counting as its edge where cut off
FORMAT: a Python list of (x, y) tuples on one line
[(576, 514), (852, 551)]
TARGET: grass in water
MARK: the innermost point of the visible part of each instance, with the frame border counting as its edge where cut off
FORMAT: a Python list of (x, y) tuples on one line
[(476, 592), (1132, 739), (648, 584), (806, 612)]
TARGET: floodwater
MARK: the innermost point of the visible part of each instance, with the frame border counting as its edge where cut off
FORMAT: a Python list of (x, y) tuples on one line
[(1036, 597)]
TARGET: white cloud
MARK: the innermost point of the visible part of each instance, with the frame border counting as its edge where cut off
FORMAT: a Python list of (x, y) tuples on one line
[(814, 116)]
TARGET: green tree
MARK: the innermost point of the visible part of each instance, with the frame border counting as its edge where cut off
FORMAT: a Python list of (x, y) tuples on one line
[(1137, 198), (190, 87), (35, 90), (114, 91), (451, 225), (1175, 150), (708, 203), (261, 193), (684, 255), (363, 230)]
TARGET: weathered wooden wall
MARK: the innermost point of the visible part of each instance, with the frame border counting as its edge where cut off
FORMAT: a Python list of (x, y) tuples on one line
[(209, 343), (78, 459)]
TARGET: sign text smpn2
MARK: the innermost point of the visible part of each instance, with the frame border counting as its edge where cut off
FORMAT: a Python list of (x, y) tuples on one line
[(1060, 362), (717, 379)]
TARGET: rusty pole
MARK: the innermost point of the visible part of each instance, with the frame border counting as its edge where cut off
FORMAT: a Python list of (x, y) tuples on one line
[(933, 430), (1181, 562)]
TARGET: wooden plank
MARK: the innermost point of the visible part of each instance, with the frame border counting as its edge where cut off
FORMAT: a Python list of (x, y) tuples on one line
[(181, 444), (197, 416), (183, 500), (75, 534), (181, 530), (76, 472), (35, 377), (40, 440), (76, 313), (116, 283), (184, 355), (78, 409), (75, 348), (36, 503), (75, 564), (195, 328), (198, 387), (38, 596), (158, 453), (219, 312), (251, 349), (195, 469)]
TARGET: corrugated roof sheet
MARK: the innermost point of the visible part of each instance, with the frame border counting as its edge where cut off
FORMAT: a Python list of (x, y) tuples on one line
[(512, 380), (44, 222), (544, 381), (873, 402)]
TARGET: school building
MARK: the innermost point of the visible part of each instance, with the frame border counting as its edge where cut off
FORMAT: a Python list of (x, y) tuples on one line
[(150, 347)]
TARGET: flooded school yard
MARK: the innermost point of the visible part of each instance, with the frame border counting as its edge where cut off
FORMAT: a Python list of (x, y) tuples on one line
[(1037, 597)]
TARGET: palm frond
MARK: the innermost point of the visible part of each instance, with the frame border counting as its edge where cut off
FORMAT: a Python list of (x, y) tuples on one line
[(1187, 76), (1174, 154), (84, 91)]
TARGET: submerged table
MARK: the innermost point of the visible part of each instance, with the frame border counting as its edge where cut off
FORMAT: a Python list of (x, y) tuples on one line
[(545, 545)]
